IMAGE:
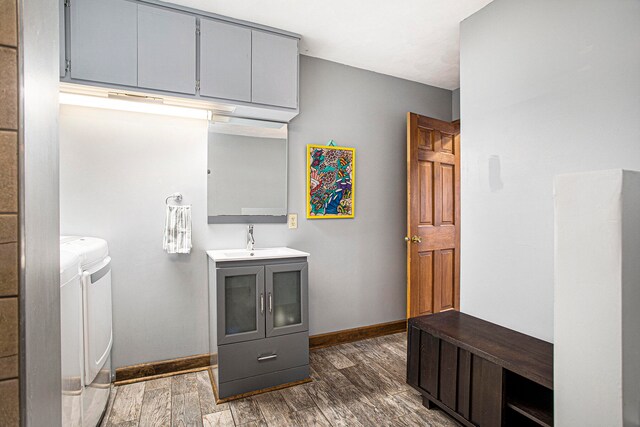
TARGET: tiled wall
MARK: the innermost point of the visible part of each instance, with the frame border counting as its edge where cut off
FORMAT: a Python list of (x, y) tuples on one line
[(9, 333)]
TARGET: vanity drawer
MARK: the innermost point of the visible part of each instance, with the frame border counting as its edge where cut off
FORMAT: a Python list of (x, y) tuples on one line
[(249, 358)]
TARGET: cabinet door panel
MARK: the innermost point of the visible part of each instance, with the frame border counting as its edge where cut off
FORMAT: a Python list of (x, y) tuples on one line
[(240, 297), (274, 64), (166, 50), (464, 382), (429, 363), (287, 301), (104, 41), (413, 356), (486, 393), (225, 60), (448, 374)]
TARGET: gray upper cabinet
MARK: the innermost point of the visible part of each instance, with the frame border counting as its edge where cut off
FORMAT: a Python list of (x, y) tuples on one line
[(166, 50), (158, 47), (225, 60), (274, 69), (104, 41)]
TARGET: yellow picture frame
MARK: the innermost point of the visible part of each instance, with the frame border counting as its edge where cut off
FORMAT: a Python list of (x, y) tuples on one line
[(340, 194)]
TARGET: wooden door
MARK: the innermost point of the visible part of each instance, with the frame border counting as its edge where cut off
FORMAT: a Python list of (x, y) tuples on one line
[(433, 215)]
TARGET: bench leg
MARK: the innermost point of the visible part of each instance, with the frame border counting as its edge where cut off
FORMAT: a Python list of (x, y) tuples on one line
[(427, 403)]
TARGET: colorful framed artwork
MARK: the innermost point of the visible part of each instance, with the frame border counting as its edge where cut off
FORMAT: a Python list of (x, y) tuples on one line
[(331, 173)]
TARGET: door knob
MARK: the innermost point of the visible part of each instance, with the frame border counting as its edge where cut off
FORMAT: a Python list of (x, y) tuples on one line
[(414, 239)]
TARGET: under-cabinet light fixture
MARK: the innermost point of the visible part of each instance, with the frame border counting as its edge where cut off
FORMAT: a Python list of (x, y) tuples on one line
[(154, 106), (105, 97)]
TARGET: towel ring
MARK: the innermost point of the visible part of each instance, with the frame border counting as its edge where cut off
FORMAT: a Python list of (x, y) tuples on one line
[(175, 196)]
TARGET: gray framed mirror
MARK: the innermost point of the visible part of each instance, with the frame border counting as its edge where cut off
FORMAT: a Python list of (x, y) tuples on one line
[(247, 171)]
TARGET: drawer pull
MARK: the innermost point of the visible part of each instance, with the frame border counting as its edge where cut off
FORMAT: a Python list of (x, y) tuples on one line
[(263, 358)]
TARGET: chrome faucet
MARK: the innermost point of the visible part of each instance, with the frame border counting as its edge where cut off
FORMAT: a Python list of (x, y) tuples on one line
[(251, 241)]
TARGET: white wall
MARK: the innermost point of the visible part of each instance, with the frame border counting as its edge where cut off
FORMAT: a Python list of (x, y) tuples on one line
[(597, 293), (546, 88), (117, 168)]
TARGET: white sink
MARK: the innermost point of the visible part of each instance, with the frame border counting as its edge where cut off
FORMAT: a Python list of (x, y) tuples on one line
[(258, 253)]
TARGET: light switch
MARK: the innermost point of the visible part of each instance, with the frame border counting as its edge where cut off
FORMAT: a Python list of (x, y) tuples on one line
[(293, 221)]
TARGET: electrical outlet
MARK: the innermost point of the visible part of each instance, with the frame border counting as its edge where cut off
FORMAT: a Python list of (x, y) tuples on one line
[(292, 221)]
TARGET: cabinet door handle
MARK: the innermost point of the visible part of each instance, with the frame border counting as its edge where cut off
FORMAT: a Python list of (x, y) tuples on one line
[(261, 303), (270, 303), (270, 357)]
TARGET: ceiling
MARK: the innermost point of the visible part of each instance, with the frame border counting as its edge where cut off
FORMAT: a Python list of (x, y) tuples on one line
[(411, 39)]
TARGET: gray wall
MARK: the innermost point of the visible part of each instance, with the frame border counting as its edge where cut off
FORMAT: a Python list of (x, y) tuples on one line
[(455, 104), (118, 167), (546, 88), (40, 284)]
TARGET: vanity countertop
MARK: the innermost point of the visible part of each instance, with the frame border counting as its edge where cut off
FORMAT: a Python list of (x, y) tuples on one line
[(222, 255)]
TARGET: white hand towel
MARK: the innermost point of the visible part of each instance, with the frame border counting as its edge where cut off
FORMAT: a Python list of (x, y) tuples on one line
[(177, 229)]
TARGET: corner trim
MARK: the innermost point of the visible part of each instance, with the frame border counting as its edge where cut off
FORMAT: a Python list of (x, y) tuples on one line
[(164, 367), (356, 334)]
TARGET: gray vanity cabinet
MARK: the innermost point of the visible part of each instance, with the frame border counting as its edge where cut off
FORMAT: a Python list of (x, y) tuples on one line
[(166, 50), (225, 60), (259, 323), (274, 69), (104, 38)]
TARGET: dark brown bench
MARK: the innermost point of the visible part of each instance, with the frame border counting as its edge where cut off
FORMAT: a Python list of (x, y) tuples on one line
[(480, 373)]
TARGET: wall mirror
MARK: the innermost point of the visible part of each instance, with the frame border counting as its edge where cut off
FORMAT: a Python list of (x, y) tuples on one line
[(247, 171)]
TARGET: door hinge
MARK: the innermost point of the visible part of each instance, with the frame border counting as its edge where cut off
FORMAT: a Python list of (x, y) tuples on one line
[(67, 66), (67, 3), (197, 85)]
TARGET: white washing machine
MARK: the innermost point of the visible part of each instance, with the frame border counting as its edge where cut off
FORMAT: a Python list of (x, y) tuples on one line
[(97, 332)]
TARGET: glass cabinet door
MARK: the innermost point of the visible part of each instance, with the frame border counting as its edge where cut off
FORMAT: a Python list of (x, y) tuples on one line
[(287, 302), (240, 304)]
